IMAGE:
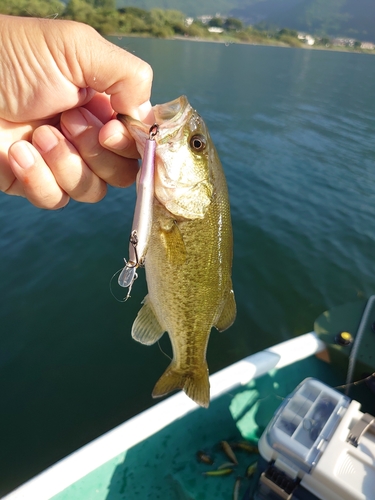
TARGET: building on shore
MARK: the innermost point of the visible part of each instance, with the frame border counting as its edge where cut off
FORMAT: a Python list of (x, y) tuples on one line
[(368, 45), (306, 38), (343, 42)]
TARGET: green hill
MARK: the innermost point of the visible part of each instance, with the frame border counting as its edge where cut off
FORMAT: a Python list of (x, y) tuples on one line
[(347, 18), (350, 18), (191, 8)]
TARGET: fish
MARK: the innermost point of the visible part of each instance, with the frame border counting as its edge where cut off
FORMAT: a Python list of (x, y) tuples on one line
[(188, 257)]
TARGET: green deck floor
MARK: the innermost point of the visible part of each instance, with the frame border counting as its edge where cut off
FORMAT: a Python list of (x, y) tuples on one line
[(165, 467)]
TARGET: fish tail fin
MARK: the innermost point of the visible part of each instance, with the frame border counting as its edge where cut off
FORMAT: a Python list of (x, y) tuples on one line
[(195, 384)]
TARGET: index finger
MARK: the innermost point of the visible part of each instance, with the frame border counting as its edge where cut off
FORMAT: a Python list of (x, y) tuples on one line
[(96, 63)]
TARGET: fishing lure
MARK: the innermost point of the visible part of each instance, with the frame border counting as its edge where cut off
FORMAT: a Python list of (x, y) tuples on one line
[(250, 471), (236, 489), (204, 458), (244, 445), (142, 220), (229, 452), (218, 472)]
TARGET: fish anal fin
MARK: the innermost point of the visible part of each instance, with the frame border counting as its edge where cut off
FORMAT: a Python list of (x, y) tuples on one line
[(228, 314), (195, 384), (146, 328), (173, 243)]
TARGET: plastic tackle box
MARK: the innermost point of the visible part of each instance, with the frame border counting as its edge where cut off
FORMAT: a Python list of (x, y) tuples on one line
[(319, 445)]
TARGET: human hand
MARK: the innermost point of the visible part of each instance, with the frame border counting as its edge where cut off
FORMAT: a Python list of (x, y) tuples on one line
[(60, 83)]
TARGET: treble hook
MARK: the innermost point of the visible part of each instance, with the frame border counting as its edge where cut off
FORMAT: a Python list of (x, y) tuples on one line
[(133, 240)]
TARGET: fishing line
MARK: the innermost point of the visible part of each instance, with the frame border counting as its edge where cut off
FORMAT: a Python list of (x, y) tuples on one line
[(338, 387), (165, 354), (55, 15), (110, 287), (124, 300), (356, 382)]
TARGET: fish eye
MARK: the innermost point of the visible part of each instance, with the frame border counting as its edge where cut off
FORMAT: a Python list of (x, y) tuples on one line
[(198, 142)]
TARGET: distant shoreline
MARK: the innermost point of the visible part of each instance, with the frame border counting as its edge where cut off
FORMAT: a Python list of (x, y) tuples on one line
[(239, 42)]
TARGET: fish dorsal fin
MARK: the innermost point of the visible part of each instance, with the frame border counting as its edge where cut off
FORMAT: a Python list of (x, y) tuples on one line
[(146, 328), (173, 243), (228, 314)]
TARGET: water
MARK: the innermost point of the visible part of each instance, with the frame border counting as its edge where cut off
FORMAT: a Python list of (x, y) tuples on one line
[(295, 131)]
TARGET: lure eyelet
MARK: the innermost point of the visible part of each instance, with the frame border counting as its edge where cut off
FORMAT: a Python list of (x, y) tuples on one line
[(198, 142)]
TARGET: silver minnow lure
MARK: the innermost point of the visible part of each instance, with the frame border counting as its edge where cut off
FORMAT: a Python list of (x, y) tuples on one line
[(142, 219)]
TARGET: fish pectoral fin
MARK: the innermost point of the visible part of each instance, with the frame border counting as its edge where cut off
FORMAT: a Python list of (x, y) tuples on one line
[(146, 328), (173, 244), (228, 314), (195, 384)]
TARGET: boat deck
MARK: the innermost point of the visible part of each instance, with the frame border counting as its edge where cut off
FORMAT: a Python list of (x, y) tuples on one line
[(165, 466)]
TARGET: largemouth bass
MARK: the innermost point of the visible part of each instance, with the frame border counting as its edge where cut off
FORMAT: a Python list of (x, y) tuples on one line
[(189, 254)]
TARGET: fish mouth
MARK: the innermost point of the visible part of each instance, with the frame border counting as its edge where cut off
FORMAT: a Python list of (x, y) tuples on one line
[(169, 115), (171, 111)]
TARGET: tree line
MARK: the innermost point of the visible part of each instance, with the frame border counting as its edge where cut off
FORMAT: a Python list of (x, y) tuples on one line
[(107, 19), (104, 16)]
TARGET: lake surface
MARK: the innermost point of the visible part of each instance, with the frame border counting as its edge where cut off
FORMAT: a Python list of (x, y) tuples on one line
[(295, 130)]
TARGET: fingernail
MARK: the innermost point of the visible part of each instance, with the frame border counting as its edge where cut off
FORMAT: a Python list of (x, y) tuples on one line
[(74, 121), (44, 139), (144, 113), (117, 141), (22, 154)]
